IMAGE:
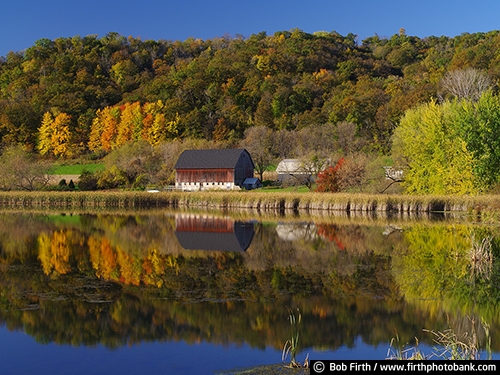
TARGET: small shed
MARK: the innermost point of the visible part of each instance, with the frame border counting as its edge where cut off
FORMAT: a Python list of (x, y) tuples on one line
[(251, 183), (210, 169)]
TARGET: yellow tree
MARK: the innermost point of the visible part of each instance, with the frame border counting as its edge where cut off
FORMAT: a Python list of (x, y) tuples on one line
[(45, 134), (61, 135), (54, 135), (437, 158), (130, 125), (153, 123), (45, 252), (109, 136), (172, 127), (103, 131), (147, 124), (156, 132), (96, 130)]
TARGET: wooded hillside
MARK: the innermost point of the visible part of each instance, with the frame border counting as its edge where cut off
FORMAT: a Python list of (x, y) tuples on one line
[(125, 88)]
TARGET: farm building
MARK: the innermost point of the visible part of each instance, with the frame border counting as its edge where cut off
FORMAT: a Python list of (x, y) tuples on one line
[(299, 170), (227, 169), (288, 169)]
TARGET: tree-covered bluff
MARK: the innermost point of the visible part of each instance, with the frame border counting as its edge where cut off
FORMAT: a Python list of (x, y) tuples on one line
[(323, 91), (289, 80)]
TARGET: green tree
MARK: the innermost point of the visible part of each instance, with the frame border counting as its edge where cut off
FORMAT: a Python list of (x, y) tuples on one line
[(478, 124), (436, 158)]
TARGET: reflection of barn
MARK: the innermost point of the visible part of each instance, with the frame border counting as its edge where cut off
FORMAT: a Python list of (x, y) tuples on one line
[(195, 232), (215, 169)]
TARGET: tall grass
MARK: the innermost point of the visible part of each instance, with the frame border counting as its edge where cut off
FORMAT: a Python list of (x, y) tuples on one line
[(449, 346), (83, 199), (291, 346), (480, 256), (484, 206)]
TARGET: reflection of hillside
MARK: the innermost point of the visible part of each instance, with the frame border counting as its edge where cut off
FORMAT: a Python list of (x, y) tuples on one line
[(82, 311), (113, 279), (197, 232)]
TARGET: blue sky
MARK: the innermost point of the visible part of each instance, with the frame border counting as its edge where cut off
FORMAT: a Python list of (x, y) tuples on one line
[(22, 22)]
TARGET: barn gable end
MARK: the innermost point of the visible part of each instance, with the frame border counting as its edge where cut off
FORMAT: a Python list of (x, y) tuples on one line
[(209, 169)]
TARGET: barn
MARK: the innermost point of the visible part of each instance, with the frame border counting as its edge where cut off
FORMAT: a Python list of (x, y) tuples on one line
[(226, 169)]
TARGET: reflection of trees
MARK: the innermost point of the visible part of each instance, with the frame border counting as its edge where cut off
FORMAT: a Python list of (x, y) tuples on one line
[(114, 279), (83, 311), (437, 266), (435, 274)]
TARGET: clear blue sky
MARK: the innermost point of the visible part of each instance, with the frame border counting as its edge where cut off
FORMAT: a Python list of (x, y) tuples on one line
[(22, 22)]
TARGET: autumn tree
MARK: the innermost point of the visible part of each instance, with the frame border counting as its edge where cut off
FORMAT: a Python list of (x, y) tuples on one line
[(61, 136), (131, 123), (156, 127), (54, 135), (328, 180), (311, 166), (103, 131), (451, 148), (45, 134), (346, 139)]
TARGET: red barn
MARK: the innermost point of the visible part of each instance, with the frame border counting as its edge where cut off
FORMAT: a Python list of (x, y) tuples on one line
[(225, 169)]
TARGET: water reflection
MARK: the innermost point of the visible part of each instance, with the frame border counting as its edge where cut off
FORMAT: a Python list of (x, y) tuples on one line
[(297, 231), (202, 232), (119, 279)]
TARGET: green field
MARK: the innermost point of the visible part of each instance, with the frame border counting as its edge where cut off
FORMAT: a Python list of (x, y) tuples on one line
[(76, 168)]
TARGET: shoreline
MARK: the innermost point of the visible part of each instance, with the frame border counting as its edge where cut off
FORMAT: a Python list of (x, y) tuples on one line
[(255, 200)]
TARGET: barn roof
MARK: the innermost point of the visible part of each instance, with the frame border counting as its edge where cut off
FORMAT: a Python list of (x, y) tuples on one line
[(202, 237), (212, 241), (211, 158)]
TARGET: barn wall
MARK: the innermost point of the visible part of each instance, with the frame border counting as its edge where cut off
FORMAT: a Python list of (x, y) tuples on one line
[(204, 179)]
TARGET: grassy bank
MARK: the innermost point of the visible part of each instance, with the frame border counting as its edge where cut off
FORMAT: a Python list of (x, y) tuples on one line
[(257, 200), (76, 169)]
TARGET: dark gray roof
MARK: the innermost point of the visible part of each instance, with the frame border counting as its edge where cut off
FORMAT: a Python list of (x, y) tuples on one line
[(225, 158), (238, 240), (210, 241)]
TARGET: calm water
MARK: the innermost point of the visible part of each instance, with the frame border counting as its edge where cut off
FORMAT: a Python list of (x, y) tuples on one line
[(178, 292)]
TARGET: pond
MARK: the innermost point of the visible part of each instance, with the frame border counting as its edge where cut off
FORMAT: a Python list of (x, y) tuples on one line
[(212, 292)]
